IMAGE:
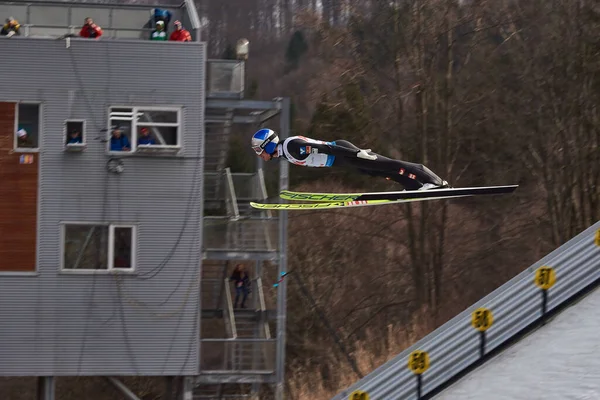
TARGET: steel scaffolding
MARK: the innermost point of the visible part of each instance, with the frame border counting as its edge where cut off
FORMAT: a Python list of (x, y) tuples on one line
[(239, 356)]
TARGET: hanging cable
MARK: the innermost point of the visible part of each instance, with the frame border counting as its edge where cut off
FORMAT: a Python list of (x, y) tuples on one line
[(193, 197), (97, 266)]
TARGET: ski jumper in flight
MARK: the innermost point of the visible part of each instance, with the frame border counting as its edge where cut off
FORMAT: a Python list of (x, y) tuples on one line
[(308, 152)]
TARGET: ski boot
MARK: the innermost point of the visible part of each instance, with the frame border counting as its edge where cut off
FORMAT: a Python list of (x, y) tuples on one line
[(429, 186)]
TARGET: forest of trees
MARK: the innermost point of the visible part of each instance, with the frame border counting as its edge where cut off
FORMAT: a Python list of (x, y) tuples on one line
[(482, 92)]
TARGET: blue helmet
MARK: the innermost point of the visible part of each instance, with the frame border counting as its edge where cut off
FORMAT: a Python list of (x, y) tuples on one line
[(265, 140)]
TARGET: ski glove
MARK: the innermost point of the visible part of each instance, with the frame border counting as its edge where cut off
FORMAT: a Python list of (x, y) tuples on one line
[(346, 152)]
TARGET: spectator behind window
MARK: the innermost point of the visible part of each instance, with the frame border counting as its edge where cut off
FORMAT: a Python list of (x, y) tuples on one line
[(159, 33), (23, 139), (145, 138), (74, 137), (118, 141), (180, 34), (10, 28), (90, 29)]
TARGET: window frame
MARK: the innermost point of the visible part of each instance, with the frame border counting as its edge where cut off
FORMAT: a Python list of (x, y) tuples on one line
[(111, 247), (36, 149), (135, 125), (83, 143), (110, 251)]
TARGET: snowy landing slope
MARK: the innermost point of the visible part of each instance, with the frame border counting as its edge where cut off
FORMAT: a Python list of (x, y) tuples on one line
[(558, 361)]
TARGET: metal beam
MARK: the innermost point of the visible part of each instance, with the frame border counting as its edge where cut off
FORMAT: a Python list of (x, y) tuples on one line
[(209, 377), (246, 119), (187, 388), (192, 13), (124, 389), (214, 119), (243, 119), (243, 104), (169, 388), (267, 115), (215, 254), (211, 313), (282, 288)]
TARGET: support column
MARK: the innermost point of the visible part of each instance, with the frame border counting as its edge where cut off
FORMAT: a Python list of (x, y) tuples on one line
[(258, 329), (123, 388), (169, 388), (45, 388), (187, 388), (282, 287)]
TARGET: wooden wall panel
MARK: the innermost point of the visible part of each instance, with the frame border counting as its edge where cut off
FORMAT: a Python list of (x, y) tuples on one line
[(18, 199)]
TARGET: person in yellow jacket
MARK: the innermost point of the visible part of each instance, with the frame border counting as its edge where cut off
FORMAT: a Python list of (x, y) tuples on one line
[(10, 28)]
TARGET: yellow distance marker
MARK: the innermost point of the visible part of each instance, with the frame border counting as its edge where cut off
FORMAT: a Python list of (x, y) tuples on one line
[(545, 277), (482, 319), (359, 395), (418, 361), (597, 240)]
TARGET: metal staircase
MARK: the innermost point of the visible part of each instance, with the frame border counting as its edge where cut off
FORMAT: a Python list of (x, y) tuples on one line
[(241, 336), (240, 339), (217, 132), (212, 288), (217, 129), (220, 392), (208, 392), (238, 354), (232, 192), (246, 324)]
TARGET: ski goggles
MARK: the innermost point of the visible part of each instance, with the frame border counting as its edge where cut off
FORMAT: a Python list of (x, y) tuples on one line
[(258, 150)]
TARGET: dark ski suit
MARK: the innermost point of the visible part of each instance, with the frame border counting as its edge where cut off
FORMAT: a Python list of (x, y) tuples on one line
[(342, 153)]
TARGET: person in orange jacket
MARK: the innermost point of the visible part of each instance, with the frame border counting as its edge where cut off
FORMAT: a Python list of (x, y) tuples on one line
[(180, 34), (90, 29)]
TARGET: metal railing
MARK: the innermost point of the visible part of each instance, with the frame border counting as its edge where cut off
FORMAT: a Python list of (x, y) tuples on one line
[(263, 188), (118, 21), (247, 185), (268, 352), (263, 196), (513, 307), (225, 78), (54, 31), (217, 140), (263, 308), (236, 355), (240, 181), (210, 288), (212, 186), (241, 188), (216, 396), (249, 234), (231, 198), (229, 314)]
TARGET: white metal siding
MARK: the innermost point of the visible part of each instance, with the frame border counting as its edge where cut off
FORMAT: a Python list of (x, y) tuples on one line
[(67, 324)]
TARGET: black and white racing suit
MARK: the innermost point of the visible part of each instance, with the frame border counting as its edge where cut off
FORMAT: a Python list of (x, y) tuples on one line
[(307, 152)]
